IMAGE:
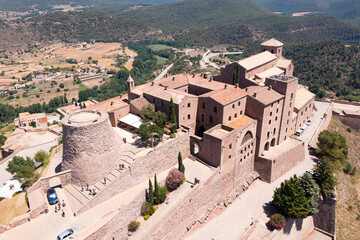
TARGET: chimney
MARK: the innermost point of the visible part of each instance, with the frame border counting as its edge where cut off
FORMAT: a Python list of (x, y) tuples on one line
[(152, 83), (173, 78), (269, 87), (236, 86), (211, 78), (166, 87), (246, 89), (193, 75), (112, 103), (254, 94), (225, 86)]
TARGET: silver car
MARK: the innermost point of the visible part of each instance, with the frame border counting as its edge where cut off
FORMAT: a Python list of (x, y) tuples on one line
[(67, 233)]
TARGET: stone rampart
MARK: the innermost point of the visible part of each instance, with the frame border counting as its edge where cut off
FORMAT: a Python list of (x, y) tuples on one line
[(325, 218), (20, 220), (199, 204), (352, 121), (144, 168)]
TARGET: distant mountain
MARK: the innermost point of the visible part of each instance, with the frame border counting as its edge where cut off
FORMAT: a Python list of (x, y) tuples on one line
[(348, 10), (47, 5), (195, 22)]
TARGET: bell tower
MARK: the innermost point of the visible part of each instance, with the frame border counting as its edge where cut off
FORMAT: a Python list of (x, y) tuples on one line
[(273, 46)]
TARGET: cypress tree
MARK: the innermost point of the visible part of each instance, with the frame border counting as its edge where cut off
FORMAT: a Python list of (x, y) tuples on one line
[(157, 192), (234, 78), (312, 191), (181, 166), (172, 117), (151, 193)]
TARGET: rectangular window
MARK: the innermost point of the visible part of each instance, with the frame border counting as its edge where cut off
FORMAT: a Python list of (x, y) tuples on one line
[(230, 146), (188, 105), (188, 117)]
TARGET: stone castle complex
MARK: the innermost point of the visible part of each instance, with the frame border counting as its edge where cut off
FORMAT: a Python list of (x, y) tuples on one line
[(242, 119)]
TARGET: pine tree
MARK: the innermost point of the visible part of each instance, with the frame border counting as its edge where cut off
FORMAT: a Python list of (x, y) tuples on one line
[(291, 199), (181, 166), (151, 193), (157, 192), (324, 176), (312, 191)]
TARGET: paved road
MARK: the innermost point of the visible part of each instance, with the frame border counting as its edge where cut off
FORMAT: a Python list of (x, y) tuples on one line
[(236, 219), (347, 107), (205, 61), (161, 75)]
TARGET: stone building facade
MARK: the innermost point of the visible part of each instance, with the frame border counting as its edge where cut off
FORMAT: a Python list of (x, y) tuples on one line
[(266, 99)]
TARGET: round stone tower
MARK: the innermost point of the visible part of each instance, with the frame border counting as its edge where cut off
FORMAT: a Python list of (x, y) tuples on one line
[(91, 148)]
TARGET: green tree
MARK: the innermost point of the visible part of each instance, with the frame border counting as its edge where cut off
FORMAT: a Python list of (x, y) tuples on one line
[(151, 131), (324, 176), (181, 166), (291, 199), (172, 117), (41, 156), (312, 191), (2, 140), (151, 193), (148, 112), (23, 170), (33, 124), (332, 145)]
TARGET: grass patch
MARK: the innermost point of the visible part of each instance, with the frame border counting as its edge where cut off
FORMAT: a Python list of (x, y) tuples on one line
[(47, 160), (348, 200), (158, 47), (8, 128), (12, 207), (161, 60), (82, 88)]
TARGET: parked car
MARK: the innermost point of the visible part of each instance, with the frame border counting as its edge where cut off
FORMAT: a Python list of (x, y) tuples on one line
[(309, 122), (303, 127), (309, 171), (51, 194), (299, 132), (67, 233)]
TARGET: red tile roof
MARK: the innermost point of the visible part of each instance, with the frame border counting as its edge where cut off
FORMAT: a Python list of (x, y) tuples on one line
[(241, 122)]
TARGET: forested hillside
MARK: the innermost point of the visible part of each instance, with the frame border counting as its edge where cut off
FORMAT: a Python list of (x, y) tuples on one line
[(327, 66), (344, 9)]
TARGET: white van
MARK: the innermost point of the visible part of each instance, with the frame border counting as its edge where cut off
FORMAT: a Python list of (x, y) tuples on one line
[(299, 132)]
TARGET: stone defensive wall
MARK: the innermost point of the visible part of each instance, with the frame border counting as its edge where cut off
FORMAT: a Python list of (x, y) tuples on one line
[(325, 121), (350, 119), (91, 147), (199, 204), (272, 168), (144, 168), (324, 220)]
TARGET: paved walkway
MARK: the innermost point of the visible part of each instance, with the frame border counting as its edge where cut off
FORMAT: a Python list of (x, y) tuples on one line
[(345, 107), (162, 74), (237, 219)]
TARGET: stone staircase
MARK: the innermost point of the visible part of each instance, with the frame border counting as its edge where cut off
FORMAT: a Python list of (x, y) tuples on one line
[(78, 198)]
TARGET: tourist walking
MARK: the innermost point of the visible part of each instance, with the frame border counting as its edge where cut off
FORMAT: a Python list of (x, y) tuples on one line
[(63, 203), (105, 181), (82, 188), (63, 214), (87, 187)]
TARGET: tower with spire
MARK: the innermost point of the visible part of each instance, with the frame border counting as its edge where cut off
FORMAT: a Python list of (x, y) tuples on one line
[(130, 83)]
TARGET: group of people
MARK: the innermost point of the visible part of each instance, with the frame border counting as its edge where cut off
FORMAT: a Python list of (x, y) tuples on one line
[(121, 166), (58, 208), (91, 191)]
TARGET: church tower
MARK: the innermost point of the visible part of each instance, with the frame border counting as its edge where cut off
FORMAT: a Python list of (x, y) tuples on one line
[(273, 46), (130, 83)]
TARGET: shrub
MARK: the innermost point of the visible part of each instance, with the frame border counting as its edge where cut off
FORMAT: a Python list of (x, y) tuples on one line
[(174, 179), (277, 221), (162, 194), (349, 130), (133, 226), (152, 210), (41, 156), (146, 217), (145, 208)]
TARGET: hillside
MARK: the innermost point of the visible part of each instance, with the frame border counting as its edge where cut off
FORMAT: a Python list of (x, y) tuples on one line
[(327, 66), (348, 10), (48, 5)]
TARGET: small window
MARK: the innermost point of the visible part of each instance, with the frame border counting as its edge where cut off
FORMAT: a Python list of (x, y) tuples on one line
[(306, 109), (230, 146), (277, 110), (302, 113), (203, 105), (289, 113), (310, 105), (188, 105), (235, 116), (268, 135), (229, 156), (286, 130), (240, 112), (239, 103), (284, 138), (290, 104), (188, 116), (287, 122), (292, 95), (230, 118), (272, 104), (202, 117), (269, 121), (274, 130), (233, 106), (211, 119), (215, 109), (275, 118)]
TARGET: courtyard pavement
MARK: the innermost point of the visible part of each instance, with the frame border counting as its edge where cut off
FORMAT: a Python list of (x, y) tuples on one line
[(252, 205)]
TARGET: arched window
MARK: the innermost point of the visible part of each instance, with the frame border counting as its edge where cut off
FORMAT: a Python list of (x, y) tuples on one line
[(203, 105), (273, 142), (274, 131), (247, 137), (266, 146), (211, 119)]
